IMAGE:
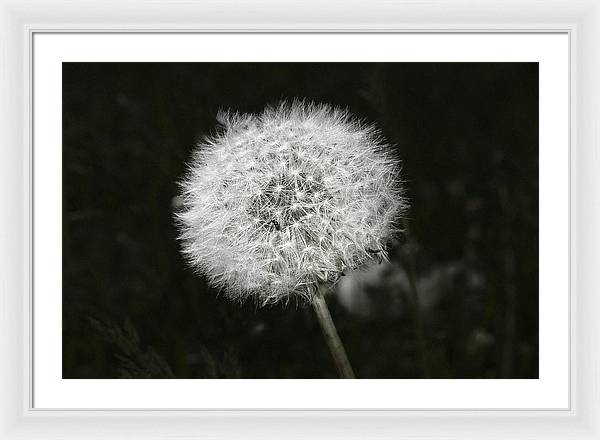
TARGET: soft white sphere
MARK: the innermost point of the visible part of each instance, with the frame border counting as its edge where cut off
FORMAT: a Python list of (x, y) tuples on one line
[(285, 200)]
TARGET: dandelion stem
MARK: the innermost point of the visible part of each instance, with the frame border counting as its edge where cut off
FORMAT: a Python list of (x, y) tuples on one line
[(331, 337)]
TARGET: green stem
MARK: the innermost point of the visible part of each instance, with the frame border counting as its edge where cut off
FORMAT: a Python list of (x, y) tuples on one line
[(332, 337)]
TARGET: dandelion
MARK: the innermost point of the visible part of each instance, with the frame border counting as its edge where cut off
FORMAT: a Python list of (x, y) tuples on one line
[(278, 205)]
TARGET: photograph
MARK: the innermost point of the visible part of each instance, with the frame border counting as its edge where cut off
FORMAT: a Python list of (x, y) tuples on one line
[(300, 220)]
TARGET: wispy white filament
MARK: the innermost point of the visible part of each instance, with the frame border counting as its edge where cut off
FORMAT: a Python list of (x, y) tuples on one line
[(286, 199)]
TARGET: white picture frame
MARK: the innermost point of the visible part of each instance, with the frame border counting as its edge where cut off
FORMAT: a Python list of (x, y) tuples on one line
[(581, 20)]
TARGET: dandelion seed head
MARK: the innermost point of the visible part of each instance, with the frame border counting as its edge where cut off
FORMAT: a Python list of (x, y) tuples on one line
[(284, 200)]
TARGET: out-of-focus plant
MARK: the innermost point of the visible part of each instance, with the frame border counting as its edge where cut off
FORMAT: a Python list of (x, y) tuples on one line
[(135, 362)]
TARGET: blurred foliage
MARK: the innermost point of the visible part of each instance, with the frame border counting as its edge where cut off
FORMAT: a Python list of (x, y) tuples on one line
[(134, 362), (459, 298)]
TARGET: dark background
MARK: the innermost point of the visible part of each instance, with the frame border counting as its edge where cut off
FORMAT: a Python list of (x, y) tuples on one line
[(459, 298)]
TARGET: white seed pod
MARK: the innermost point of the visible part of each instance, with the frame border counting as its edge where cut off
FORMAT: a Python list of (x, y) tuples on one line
[(280, 202)]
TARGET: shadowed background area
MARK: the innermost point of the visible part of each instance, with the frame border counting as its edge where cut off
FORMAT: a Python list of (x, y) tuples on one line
[(458, 299)]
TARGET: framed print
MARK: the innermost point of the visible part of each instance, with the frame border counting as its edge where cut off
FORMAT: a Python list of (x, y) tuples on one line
[(282, 231), (292, 225)]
